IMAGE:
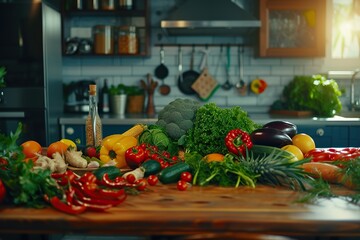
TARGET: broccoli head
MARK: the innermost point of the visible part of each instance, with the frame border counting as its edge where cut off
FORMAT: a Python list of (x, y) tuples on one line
[(177, 117)]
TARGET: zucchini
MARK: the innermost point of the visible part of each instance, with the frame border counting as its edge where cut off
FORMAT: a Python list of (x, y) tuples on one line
[(151, 167), (259, 151), (172, 173), (112, 171)]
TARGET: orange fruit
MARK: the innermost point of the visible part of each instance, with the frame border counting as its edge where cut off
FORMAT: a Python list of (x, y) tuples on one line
[(294, 150), (31, 148), (304, 142), (211, 157), (54, 147)]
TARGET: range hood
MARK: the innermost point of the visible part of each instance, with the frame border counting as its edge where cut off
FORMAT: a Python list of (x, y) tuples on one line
[(210, 17)]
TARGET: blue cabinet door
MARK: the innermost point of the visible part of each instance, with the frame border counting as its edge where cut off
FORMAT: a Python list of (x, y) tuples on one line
[(354, 136), (115, 129), (74, 132), (327, 136)]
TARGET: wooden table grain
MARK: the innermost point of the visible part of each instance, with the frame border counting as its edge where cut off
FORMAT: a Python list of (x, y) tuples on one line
[(163, 210)]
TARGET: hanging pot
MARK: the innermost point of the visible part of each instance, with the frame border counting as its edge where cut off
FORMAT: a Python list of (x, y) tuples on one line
[(186, 79)]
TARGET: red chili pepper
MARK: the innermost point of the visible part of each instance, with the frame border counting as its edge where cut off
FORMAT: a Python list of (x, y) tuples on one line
[(333, 154), (86, 196), (117, 183), (92, 207), (64, 178), (66, 208), (237, 141), (2, 191)]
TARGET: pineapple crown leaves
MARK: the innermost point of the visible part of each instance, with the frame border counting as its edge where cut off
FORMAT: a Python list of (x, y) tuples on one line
[(274, 169)]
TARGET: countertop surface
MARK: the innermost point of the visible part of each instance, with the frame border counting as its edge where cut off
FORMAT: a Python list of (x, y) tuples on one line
[(261, 118), (164, 210)]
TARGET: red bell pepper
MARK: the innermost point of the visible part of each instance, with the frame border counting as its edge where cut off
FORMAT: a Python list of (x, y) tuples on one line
[(237, 141), (135, 156)]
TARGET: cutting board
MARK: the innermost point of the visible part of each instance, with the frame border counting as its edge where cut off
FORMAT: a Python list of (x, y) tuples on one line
[(292, 113)]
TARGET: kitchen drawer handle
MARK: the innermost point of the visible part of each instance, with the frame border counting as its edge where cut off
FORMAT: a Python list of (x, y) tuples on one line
[(70, 131), (320, 132)]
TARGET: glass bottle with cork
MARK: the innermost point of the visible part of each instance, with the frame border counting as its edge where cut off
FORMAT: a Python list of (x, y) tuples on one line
[(93, 125)]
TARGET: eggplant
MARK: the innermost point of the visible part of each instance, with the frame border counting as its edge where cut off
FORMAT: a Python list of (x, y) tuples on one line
[(270, 137), (285, 126)]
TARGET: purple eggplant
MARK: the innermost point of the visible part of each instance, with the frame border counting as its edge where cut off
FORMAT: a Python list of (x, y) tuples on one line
[(270, 137), (287, 127)]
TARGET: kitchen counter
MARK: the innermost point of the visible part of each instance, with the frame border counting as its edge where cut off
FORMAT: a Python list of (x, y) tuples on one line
[(164, 210), (260, 118)]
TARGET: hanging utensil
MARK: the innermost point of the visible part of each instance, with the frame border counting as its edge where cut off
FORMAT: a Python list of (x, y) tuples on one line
[(161, 72), (189, 76), (184, 83), (240, 85), (227, 85)]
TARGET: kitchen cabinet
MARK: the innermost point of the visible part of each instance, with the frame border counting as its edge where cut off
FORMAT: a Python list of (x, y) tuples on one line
[(332, 136), (292, 28), (110, 32)]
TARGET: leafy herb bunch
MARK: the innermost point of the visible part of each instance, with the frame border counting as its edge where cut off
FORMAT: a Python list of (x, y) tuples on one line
[(24, 185)]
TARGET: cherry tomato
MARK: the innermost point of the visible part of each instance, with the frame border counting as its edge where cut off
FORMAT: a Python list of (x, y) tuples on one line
[(186, 176), (174, 158), (141, 184), (130, 178), (182, 185), (144, 146), (152, 180), (166, 154)]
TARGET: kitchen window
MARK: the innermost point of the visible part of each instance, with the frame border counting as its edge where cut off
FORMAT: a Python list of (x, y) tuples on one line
[(346, 29)]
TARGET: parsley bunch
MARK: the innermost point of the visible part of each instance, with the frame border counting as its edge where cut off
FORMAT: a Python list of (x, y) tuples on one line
[(24, 185), (211, 125)]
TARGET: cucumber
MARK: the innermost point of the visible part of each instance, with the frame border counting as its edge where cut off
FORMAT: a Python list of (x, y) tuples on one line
[(151, 167), (172, 173), (112, 171), (259, 151)]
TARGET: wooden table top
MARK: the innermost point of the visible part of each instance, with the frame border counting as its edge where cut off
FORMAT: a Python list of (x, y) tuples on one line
[(163, 210)]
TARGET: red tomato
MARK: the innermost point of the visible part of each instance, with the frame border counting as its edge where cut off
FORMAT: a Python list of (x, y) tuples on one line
[(186, 176), (152, 180), (130, 178), (2, 191), (141, 184), (182, 185), (31, 149)]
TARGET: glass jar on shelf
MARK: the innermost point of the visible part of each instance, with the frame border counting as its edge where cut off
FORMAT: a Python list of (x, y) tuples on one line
[(103, 39), (127, 40), (107, 4), (125, 4)]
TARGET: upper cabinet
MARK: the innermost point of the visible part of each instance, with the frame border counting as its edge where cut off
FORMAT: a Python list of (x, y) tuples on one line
[(106, 28), (292, 28)]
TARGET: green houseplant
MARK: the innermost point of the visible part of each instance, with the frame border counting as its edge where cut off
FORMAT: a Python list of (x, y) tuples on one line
[(311, 93), (135, 99), (117, 94)]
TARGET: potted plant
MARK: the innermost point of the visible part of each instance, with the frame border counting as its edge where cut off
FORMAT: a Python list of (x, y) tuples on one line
[(118, 95), (135, 99)]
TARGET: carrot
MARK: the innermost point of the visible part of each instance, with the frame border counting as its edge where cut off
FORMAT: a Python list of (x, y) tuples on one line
[(326, 171)]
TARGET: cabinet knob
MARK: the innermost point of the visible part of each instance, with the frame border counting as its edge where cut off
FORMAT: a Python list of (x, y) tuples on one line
[(320, 132), (70, 131)]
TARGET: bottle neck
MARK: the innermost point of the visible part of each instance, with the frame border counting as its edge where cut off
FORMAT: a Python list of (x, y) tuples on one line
[(93, 108)]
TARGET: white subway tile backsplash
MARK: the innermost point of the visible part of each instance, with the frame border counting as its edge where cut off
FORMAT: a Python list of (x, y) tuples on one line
[(277, 72)]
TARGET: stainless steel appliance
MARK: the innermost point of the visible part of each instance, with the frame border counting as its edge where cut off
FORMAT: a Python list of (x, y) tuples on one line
[(30, 50), (77, 96)]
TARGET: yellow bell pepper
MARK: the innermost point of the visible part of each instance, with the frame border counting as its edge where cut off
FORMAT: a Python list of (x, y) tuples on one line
[(258, 86), (113, 148)]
